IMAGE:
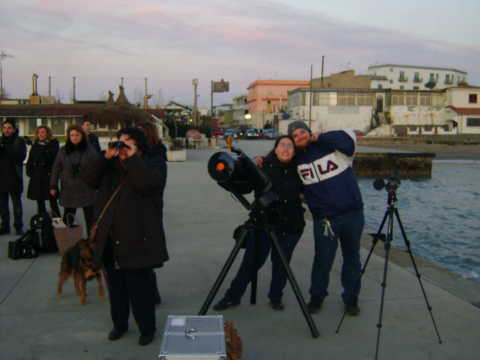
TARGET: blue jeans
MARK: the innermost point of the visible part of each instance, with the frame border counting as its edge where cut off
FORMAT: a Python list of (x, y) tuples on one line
[(17, 210), (258, 245), (348, 231)]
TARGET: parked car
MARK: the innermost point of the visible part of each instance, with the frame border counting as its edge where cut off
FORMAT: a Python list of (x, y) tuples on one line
[(270, 134), (252, 134), (217, 132), (230, 133)]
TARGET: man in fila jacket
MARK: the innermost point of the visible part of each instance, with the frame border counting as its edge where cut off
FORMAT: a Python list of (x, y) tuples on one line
[(324, 164)]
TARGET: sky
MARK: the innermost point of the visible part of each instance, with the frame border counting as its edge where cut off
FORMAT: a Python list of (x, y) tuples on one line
[(172, 42)]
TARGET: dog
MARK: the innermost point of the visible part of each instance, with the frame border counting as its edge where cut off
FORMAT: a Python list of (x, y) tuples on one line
[(78, 262)]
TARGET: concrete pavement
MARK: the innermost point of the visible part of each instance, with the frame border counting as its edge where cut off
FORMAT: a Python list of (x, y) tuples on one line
[(199, 219)]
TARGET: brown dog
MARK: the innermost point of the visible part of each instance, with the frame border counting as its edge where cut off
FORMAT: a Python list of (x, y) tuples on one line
[(78, 261)]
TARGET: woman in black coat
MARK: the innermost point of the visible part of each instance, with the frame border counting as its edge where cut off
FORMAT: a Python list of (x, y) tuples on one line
[(281, 170), (39, 168), (156, 156), (129, 240)]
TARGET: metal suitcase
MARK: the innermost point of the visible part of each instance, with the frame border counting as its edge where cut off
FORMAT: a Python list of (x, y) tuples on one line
[(193, 338)]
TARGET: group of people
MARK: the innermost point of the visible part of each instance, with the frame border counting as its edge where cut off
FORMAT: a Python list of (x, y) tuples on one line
[(128, 182), (123, 182), (317, 168)]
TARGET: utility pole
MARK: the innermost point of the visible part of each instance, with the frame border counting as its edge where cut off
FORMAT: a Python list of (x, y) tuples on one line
[(3, 55), (323, 62), (121, 81), (74, 94), (310, 98), (49, 86), (146, 97), (195, 97)]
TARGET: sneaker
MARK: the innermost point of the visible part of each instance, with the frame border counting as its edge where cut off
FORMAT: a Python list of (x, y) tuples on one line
[(277, 305), (315, 304), (224, 304), (352, 309), (4, 231), (145, 339)]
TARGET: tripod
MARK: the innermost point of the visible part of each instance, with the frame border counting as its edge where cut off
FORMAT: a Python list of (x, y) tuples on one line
[(390, 215), (240, 239)]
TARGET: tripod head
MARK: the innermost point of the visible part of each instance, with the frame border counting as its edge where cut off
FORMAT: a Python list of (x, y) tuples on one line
[(391, 184)]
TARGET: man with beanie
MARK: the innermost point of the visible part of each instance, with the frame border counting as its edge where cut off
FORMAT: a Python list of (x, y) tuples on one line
[(13, 151), (324, 164)]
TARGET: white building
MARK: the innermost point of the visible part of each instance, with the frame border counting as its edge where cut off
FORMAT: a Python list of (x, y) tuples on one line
[(240, 109), (410, 77), (386, 112)]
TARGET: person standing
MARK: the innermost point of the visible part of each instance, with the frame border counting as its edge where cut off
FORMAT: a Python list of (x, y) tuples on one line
[(91, 137), (281, 169), (129, 240), (39, 169), (324, 164), (70, 164), (13, 151), (156, 156)]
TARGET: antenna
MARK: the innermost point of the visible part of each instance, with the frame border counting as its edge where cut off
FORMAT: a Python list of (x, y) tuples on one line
[(3, 55)]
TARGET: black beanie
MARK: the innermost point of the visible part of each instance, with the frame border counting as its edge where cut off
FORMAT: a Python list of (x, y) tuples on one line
[(297, 125)]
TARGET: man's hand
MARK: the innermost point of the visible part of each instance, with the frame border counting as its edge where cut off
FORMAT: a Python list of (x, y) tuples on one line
[(53, 193), (259, 161), (111, 152)]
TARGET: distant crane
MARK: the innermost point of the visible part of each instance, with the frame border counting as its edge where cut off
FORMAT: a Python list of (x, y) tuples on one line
[(3, 55)]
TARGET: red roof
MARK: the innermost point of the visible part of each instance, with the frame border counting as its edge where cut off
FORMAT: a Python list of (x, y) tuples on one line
[(465, 111)]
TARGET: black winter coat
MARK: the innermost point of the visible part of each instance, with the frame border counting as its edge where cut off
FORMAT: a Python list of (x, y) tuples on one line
[(13, 151), (93, 141), (39, 168), (130, 227), (289, 214)]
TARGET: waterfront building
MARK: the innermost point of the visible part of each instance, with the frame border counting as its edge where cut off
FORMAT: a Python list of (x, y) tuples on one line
[(412, 77), (388, 112), (267, 98)]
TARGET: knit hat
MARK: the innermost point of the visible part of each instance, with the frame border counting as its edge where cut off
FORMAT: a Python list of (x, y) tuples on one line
[(297, 125)]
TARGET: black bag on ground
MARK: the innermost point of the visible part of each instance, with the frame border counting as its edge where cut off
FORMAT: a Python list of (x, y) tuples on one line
[(45, 239), (24, 247)]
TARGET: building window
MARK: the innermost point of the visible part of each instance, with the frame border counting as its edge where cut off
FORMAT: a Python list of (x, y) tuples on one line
[(58, 126), (346, 99), (426, 99), (417, 78), (303, 100), (402, 87), (365, 99), (380, 86), (398, 99), (415, 88), (320, 99), (473, 121), (472, 98), (402, 77), (411, 99)]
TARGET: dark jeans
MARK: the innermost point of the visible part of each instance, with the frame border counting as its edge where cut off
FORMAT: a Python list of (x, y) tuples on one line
[(17, 210), (348, 231), (42, 208), (258, 245), (131, 287), (87, 213)]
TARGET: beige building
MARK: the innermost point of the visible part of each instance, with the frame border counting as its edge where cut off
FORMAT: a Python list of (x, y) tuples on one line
[(348, 80)]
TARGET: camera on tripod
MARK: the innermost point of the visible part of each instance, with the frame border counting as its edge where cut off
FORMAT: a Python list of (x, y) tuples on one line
[(391, 184)]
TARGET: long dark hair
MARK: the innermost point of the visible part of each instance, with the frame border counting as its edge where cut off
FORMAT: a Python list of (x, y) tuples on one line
[(151, 133), (272, 154)]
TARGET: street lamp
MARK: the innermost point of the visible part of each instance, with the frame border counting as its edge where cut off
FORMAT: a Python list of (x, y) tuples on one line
[(195, 96)]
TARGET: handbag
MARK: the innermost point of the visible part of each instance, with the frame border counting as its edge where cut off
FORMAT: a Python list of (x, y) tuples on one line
[(66, 235), (24, 247)]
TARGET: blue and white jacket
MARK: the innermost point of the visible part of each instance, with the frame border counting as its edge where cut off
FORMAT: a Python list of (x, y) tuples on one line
[(325, 167)]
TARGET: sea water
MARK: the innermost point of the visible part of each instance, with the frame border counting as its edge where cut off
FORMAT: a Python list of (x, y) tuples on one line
[(441, 216)]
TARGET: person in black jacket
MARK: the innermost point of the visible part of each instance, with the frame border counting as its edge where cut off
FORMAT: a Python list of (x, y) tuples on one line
[(129, 239), (13, 151), (39, 168), (91, 137), (280, 168), (156, 156)]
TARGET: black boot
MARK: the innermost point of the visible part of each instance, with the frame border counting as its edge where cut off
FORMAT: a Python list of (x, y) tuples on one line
[(224, 304)]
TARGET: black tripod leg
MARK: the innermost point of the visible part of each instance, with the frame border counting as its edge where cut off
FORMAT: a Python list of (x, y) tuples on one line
[(388, 242), (409, 250), (253, 281), (375, 239), (221, 276), (294, 284)]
